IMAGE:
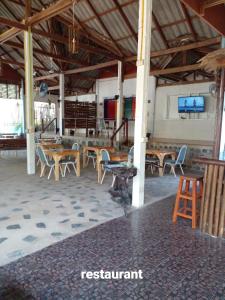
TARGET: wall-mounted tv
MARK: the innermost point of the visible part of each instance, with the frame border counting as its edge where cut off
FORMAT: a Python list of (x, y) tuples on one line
[(191, 104)]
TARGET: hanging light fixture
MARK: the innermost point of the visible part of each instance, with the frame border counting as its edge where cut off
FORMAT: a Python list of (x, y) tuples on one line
[(73, 34)]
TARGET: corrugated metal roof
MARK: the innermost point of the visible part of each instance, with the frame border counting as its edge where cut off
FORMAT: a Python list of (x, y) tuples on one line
[(166, 11)]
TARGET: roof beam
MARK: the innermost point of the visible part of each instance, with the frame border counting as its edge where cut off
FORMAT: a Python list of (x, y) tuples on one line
[(126, 20), (43, 15), (104, 27), (214, 15), (20, 64), (211, 3), (208, 42), (45, 53), (189, 22), (161, 33), (174, 70)]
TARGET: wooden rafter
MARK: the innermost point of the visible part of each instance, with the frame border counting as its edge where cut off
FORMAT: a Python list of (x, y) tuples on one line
[(208, 42), (126, 20), (105, 28), (159, 29), (189, 21), (212, 3), (45, 14), (48, 54), (19, 39)]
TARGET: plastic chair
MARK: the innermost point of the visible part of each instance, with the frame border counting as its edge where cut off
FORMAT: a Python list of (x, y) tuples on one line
[(91, 155), (46, 163), (178, 162), (71, 162), (107, 166)]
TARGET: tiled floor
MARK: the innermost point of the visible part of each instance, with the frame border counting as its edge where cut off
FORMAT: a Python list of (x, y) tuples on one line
[(35, 212), (177, 262)]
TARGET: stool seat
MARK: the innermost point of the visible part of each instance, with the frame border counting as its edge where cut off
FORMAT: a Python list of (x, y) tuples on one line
[(193, 176), (185, 195)]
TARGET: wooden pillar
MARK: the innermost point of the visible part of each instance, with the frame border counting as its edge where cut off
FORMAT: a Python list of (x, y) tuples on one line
[(219, 110), (119, 111), (23, 109), (29, 100), (61, 107), (143, 66)]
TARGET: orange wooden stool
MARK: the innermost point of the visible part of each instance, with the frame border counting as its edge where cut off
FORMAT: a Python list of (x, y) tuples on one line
[(186, 196)]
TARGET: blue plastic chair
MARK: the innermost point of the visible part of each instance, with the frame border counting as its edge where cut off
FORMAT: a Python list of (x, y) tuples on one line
[(70, 161), (178, 162), (107, 167), (46, 162)]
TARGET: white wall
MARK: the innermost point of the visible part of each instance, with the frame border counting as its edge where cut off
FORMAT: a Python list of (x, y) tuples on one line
[(108, 88), (169, 123), (83, 98)]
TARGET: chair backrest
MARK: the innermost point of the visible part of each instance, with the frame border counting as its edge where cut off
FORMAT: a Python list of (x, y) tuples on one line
[(42, 156), (76, 146), (105, 155), (181, 155), (131, 152)]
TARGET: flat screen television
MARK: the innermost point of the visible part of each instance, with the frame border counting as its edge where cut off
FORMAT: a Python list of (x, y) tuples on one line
[(191, 104)]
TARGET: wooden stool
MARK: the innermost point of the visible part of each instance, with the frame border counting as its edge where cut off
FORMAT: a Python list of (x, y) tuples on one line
[(186, 196)]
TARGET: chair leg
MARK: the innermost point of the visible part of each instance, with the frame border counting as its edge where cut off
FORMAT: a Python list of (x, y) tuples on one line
[(75, 170), (182, 171), (94, 162), (164, 167), (50, 172), (64, 173), (88, 160), (61, 170), (151, 169), (113, 182), (173, 171), (103, 176), (42, 170)]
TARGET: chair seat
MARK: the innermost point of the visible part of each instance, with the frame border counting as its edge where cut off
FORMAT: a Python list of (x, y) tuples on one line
[(170, 161), (112, 166), (151, 160), (91, 155)]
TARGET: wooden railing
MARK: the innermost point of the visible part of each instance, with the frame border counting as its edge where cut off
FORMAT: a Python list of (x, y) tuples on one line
[(45, 127), (124, 125), (212, 212)]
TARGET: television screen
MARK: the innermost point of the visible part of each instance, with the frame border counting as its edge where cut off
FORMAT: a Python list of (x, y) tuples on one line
[(191, 104)]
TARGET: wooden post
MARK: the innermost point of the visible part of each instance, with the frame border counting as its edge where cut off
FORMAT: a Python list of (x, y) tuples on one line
[(219, 115), (143, 66), (28, 58), (219, 112), (22, 96), (119, 110), (61, 107)]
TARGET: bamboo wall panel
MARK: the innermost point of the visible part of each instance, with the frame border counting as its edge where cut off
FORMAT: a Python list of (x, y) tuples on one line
[(212, 212)]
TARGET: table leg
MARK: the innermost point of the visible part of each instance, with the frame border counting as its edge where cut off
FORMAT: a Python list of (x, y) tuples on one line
[(78, 164), (84, 158), (161, 159), (56, 169)]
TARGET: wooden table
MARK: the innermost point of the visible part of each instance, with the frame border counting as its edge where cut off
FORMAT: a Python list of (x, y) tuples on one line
[(51, 146), (161, 154), (97, 150), (116, 156), (58, 155)]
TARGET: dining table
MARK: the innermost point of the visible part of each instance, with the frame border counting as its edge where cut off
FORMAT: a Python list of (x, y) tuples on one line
[(51, 146), (161, 154), (58, 154), (97, 151)]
